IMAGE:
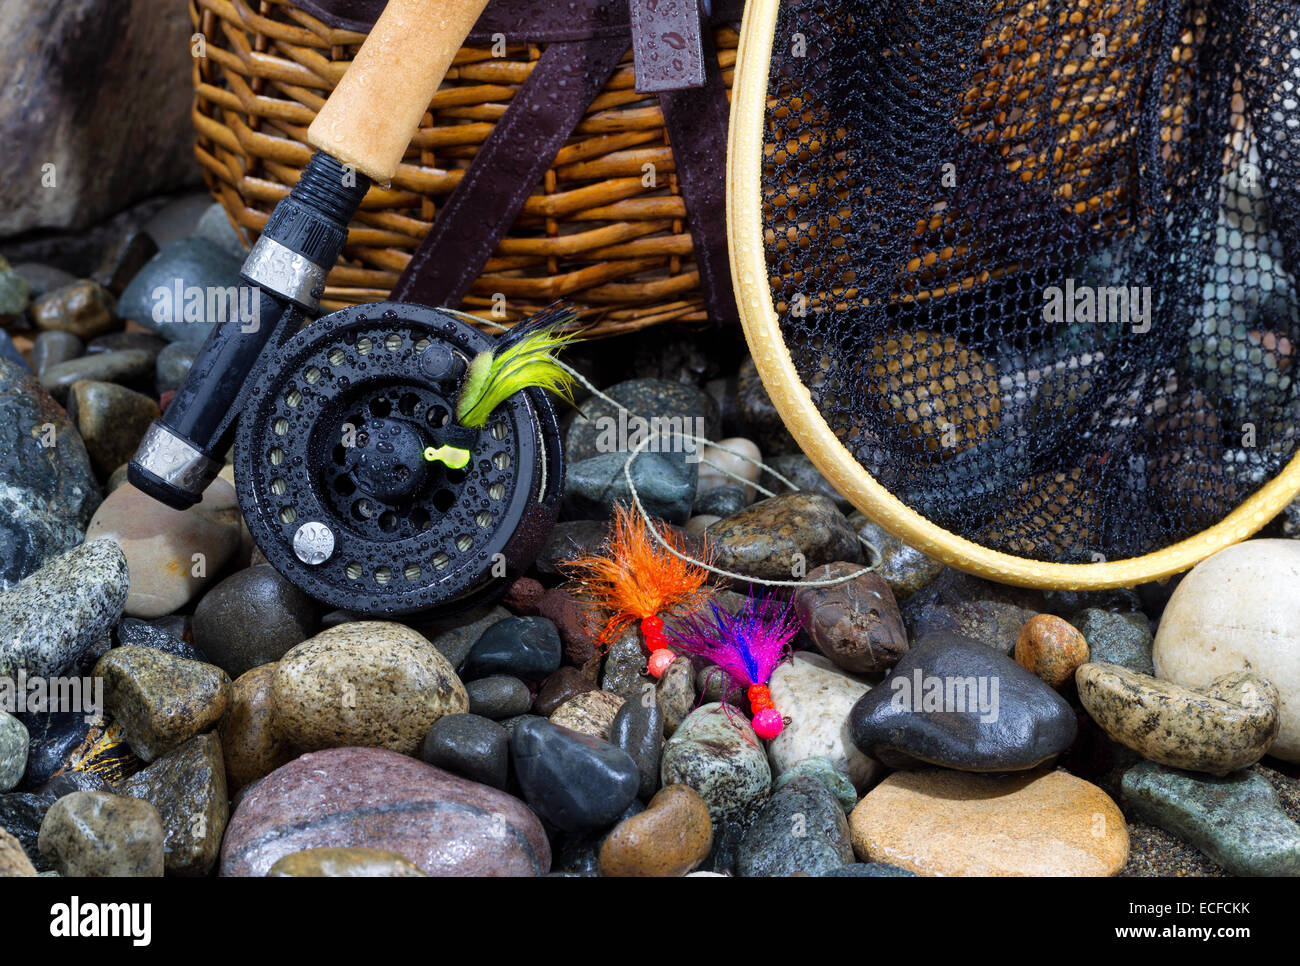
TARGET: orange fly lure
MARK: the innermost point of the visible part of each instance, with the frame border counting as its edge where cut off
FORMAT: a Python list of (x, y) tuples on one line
[(637, 579)]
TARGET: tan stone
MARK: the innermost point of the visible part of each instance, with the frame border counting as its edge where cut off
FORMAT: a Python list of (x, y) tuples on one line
[(171, 554), (938, 822), (1239, 610), (369, 684), (670, 838), (591, 713), (14, 863), (1226, 725), (250, 739), (345, 863)]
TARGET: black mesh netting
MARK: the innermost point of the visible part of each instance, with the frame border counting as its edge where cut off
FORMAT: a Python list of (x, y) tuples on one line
[(1035, 261)]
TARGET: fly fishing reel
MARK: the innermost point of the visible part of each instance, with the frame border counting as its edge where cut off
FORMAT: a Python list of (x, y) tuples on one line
[(361, 487)]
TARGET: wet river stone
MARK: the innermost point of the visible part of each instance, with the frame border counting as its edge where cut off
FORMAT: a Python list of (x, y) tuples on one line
[(665, 482), (801, 828), (51, 348), (344, 863), (158, 700), (719, 502), (456, 641), (47, 486), (670, 838), (51, 619), (823, 771), (498, 696), (111, 419), (817, 697), (971, 607), (1226, 725), (373, 684), (165, 634), (1237, 820), (14, 292), (904, 568), (83, 308), (13, 751), (1239, 610), (1122, 638), (97, 834), (638, 728), (783, 536), (172, 554), (560, 687), (570, 539), (130, 367), (1051, 648), (173, 365), (14, 863), (799, 470), (716, 752), (188, 788), (574, 781), (759, 416), (525, 647), (591, 713), (950, 823), (253, 617), (578, 622), (469, 745), (856, 624), (379, 799), (596, 429), (251, 741), (675, 693), (954, 702), (738, 456)]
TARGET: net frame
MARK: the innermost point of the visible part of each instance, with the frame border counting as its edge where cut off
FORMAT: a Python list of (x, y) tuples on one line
[(818, 441)]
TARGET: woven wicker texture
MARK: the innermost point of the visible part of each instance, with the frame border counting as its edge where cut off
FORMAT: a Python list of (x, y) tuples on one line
[(595, 232)]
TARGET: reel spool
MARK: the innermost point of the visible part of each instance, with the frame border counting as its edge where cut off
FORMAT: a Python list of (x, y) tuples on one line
[(350, 475)]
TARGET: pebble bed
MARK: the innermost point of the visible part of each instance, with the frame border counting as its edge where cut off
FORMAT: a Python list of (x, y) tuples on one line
[(247, 731)]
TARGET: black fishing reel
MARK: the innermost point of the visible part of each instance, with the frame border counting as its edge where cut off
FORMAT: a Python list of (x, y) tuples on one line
[(361, 489)]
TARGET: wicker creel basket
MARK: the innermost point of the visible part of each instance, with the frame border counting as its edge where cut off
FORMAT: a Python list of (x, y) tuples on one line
[(606, 227)]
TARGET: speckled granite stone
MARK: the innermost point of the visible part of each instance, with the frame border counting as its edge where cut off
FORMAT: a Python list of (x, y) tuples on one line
[(591, 713), (373, 684), (1217, 729), (47, 486), (50, 619), (717, 753), (783, 536)]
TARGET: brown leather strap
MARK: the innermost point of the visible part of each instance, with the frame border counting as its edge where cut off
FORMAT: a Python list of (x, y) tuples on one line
[(696, 120), (667, 47), (521, 21), (511, 163)]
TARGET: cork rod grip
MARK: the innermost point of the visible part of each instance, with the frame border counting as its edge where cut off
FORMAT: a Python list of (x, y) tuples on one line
[(372, 114)]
